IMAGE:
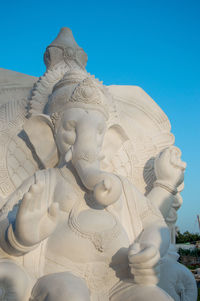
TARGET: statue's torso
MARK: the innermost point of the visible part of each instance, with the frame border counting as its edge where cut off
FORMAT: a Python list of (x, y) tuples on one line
[(104, 238), (86, 236)]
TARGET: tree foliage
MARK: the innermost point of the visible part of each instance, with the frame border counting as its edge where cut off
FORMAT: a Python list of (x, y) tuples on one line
[(194, 253), (187, 237)]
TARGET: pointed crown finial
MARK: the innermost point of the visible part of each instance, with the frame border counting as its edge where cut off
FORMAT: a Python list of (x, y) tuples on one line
[(67, 43)]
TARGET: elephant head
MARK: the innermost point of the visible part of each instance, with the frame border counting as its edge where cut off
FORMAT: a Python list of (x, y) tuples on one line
[(74, 131)]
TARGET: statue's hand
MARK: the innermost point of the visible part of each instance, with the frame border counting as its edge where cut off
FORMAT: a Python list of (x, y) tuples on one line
[(144, 263), (169, 168), (35, 221)]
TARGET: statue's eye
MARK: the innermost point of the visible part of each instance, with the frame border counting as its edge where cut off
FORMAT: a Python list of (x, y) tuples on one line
[(69, 125)]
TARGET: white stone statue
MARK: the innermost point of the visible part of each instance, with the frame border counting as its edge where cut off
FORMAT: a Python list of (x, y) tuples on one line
[(90, 184)]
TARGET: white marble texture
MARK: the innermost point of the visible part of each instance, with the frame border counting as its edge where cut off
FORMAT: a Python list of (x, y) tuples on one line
[(90, 184)]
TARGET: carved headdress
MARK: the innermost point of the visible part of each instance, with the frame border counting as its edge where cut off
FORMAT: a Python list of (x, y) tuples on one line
[(78, 89), (73, 57), (71, 50)]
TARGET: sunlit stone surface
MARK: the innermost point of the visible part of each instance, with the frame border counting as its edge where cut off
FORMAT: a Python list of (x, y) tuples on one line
[(90, 184)]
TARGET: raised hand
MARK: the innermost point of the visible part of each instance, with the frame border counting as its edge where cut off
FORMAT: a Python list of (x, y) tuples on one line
[(169, 168), (144, 262), (35, 221)]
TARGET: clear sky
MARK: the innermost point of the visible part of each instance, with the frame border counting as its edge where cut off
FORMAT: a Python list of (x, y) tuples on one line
[(154, 44)]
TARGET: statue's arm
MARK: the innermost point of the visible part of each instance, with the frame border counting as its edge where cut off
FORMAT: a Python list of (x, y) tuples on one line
[(34, 220), (8, 215), (154, 240), (155, 231), (169, 170), (151, 245), (161, 198)]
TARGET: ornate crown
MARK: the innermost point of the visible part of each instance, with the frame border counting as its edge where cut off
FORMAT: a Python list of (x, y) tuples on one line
[(79, 89)]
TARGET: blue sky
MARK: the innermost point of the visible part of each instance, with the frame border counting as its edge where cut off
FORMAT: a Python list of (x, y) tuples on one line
[(149, 43)]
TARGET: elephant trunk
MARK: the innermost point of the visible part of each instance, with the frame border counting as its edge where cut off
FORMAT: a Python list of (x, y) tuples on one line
[(106, 187)]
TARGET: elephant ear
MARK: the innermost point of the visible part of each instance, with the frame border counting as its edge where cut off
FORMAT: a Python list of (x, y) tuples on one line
[(39, 130), (144, 132)]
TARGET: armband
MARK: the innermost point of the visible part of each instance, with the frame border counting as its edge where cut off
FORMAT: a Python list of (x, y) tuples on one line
[(168, 187)]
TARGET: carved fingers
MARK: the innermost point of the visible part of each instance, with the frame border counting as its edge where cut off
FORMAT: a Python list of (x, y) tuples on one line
[(30, 207), (169, 168), (144, 263), (54, 210), (35, 219), (50, 221), (175, 157), (32, 200)]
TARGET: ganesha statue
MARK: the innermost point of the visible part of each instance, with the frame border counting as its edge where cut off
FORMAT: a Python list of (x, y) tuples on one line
[(90, 186)]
